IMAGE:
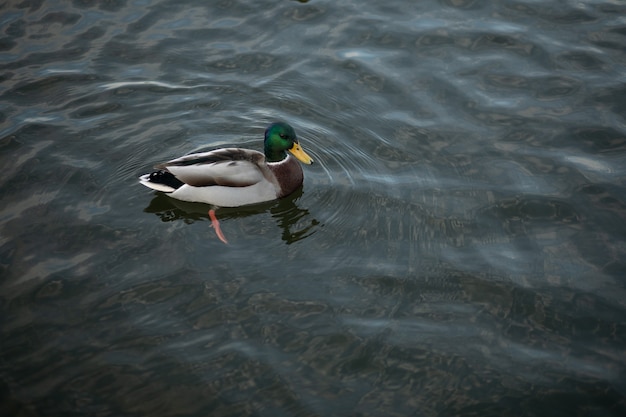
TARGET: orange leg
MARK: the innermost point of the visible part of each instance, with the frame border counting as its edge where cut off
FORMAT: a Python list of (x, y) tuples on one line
[(216, 225)]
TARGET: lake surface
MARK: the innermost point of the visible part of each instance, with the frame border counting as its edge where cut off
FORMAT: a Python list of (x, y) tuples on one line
[(457, 249)]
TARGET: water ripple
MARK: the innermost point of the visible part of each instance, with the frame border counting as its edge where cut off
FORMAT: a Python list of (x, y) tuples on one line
[(146, 84)]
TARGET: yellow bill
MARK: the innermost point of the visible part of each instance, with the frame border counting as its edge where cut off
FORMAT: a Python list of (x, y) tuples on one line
[(302, 156)]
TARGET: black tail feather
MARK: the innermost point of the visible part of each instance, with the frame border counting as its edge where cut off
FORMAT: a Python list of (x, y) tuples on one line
[(166, 178)]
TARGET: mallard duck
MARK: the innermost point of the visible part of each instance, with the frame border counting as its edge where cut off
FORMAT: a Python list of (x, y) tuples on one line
[(232, 177)]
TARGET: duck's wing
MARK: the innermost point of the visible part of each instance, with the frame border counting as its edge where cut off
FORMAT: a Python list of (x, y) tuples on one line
[(230, 167)]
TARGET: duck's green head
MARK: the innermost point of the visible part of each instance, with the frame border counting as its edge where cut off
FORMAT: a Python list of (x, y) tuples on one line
[(280, 138)]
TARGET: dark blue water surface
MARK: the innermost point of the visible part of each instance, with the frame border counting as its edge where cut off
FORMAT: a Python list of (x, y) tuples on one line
[(458, 249)]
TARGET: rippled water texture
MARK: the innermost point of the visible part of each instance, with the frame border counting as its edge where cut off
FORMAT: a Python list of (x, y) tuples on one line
[(458, 249)]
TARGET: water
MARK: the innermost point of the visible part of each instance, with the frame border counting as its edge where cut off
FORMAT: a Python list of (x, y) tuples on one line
[(457, 249)]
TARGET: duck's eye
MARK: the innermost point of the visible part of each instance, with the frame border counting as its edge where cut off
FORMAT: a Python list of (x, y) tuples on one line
[(282, 135)]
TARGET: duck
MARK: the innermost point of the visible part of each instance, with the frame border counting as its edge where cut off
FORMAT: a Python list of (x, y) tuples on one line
[(234, 177)]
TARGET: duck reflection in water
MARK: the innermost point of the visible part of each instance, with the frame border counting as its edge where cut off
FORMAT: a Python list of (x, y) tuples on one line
[(294, 221)]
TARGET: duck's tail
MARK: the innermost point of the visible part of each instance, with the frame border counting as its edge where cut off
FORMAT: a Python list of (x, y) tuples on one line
[(161, 181)]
